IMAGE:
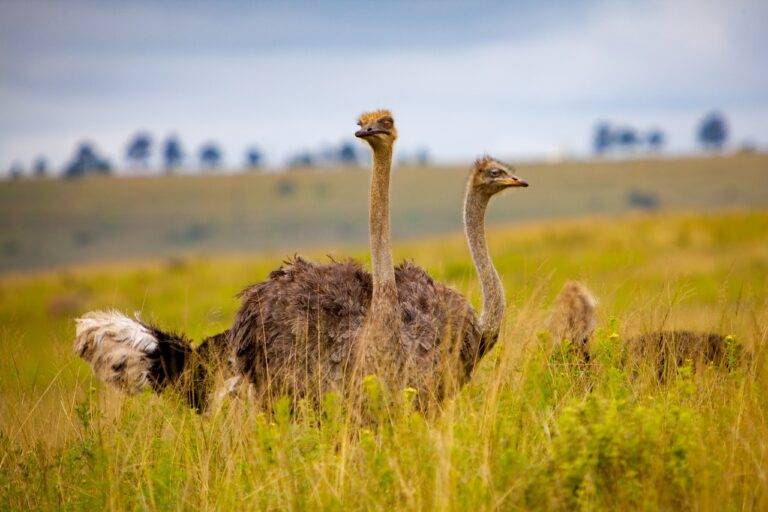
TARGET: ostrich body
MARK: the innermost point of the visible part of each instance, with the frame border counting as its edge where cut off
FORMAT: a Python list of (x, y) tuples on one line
[(574, 319), (312, 327)]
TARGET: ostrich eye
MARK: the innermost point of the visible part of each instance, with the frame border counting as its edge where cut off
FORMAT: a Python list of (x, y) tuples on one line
[(495, 173), (387, 121)]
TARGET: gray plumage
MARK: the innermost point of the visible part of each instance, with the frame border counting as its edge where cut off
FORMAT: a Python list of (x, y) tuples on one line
[(300, 331), (297, 332)]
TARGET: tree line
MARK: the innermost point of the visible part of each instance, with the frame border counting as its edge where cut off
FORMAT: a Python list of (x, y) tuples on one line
[(141, 148), (711, 134), (172, 157)]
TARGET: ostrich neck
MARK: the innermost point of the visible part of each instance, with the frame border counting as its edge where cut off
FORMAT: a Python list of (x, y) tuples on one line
[(384, 313), (379, 339), (475, 205), (378, 218)]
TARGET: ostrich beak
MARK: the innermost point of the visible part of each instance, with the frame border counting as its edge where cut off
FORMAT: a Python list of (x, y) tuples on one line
[(370, 131), (514, 181)]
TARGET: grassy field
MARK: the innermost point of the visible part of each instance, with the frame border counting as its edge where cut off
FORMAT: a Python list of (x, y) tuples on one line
[(44, 224), (533, 430)]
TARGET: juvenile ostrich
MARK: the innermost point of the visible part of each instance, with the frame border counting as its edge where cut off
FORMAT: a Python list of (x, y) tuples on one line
[(313, 327), (574, 319)]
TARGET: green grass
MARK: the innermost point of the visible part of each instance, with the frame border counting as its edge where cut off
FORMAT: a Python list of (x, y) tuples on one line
[(532, 430), (45, 224)]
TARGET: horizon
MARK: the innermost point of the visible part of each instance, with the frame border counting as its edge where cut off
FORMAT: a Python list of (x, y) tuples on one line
[(521, 82)]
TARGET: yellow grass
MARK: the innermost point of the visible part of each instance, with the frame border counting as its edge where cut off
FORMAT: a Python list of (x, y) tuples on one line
[(533, 430)]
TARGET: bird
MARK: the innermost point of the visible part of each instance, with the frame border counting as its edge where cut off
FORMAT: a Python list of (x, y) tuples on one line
[(313, 327), (307, 324), (574, 318)]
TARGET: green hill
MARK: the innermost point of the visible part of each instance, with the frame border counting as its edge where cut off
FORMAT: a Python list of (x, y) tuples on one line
[(44, 224)]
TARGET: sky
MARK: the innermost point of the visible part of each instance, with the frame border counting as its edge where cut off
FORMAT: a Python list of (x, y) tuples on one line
[(518, 80)]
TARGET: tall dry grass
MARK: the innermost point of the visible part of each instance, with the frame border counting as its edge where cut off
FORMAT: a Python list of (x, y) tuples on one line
[(536, 428)]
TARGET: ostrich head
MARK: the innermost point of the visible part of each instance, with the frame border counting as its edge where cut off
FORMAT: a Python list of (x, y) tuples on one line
[(377, 128), (489, 176)]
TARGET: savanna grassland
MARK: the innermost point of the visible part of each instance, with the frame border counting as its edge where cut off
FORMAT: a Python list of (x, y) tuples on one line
[(534, 429), (49, 223)]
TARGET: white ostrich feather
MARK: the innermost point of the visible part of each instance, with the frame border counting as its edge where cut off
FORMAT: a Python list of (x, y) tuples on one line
[(117, 347)]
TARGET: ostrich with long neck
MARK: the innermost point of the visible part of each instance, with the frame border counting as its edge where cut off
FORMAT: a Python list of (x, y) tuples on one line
[(378, 349), (488, 177), (312, 327)]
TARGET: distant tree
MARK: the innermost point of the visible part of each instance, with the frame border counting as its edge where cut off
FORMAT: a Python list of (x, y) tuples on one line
[(86, 161), (655, 139), (347, 154), (626, 137), (713, 131), (139, 150), (40, 167), (602, 138), (173, 154), (253, 158), (210, 156)]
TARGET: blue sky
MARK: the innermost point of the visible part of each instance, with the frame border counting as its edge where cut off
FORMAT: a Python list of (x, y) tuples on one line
[(518, 80)]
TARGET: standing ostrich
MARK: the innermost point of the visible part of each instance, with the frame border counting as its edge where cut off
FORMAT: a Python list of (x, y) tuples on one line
[(313, 327)]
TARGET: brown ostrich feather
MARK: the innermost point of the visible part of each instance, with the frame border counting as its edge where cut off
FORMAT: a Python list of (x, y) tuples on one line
[(312, 327), (374, 115), (296, 332), (668, 350), (574, 319), (486, 160)]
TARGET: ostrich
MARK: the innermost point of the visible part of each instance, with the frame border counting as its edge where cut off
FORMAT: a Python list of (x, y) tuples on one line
[(312, 327), (574, 319)]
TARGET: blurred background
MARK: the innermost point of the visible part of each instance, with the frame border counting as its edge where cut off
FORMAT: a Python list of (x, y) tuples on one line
[(150, 129)]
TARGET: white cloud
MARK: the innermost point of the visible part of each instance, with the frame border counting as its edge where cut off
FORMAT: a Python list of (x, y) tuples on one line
[(660, 64)]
